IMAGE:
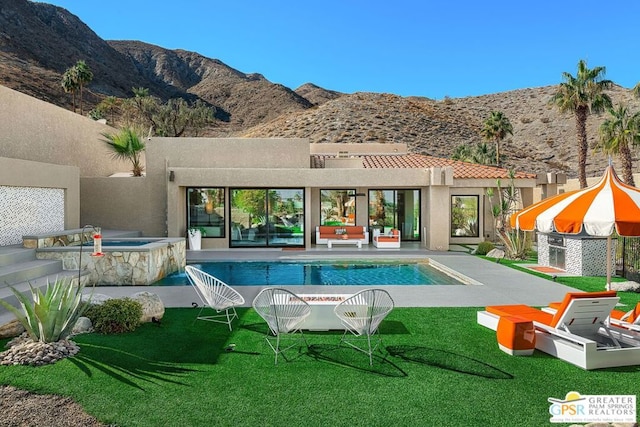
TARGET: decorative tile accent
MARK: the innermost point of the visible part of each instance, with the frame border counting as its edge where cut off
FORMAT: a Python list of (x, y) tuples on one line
[(28, 211), (584, 256)]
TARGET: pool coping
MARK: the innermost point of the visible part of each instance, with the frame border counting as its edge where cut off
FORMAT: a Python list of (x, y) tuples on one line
[(500, 284)]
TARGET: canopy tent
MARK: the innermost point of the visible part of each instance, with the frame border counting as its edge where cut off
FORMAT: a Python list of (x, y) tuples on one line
[(597, 210)]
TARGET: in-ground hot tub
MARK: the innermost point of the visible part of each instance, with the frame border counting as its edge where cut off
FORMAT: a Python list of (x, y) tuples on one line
[(136, 261)]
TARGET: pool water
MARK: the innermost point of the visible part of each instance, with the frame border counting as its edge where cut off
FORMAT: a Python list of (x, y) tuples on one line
[(288, 273)]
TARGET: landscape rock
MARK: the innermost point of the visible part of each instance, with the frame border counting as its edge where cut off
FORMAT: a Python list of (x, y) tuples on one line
[(22, 350), (95, 298), (152, 306), (496, 253), (82, 326), (629, 286), (11, 329)]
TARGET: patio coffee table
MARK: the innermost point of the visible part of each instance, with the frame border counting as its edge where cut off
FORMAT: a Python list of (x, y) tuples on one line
[(322, 317), (356, 242)]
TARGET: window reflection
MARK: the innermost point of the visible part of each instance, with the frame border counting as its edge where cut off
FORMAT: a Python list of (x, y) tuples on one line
[(206, 210), (267, 217), (337, 207), (464, 216)]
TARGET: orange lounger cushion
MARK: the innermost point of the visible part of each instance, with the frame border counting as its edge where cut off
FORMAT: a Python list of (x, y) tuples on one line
[(516, 335), (521, 310)]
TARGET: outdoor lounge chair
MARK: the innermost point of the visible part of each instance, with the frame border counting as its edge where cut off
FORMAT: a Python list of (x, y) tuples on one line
[(361, 314), (284, 313), (625, 319), (215, 294), (577, 332), (391, 240)]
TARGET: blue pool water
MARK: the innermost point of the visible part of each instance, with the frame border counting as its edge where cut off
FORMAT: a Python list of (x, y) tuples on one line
[(318, 273)]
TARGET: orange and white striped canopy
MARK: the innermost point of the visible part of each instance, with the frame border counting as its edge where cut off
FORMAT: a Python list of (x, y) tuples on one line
[(597, 210)]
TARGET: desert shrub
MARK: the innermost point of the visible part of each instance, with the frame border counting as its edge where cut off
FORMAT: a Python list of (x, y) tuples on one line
[(115, 316), (484, 248), (49, 316)]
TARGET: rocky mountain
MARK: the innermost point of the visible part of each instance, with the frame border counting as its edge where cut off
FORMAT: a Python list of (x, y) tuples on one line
[(543, 140), (38, 42)]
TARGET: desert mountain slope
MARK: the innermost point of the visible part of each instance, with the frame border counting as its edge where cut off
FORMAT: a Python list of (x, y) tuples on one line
[(543, 139), (245, 99), (38, 42)]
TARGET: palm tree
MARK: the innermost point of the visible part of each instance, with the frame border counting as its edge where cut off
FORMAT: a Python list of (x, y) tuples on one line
[(481, 153), (127, 145), (617, 133), (496, 128), (83, 75), (582, 95), (69, 85)]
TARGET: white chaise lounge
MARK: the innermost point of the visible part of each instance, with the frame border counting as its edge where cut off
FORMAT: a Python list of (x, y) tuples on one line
[(578, 331)]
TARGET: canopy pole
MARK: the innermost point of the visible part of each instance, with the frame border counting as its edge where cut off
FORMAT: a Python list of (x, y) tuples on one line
[(609, 262)]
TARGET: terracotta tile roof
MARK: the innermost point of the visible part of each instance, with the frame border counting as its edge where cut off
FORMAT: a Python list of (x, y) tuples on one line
[(461, 170)]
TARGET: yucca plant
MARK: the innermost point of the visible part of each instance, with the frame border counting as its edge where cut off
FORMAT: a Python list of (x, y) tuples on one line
[(51, 315)]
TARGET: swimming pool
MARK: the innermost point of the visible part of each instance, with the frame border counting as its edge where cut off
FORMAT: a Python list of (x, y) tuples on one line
[(341, 273)]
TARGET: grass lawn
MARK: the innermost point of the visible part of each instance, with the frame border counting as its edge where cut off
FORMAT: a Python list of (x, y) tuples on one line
[(442, 370)]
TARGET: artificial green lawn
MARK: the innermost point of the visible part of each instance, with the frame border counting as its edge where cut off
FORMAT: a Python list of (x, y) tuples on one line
[(445, 370), (442, 369)]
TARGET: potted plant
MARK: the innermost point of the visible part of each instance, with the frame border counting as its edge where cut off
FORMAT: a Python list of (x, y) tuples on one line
[(195, 235)]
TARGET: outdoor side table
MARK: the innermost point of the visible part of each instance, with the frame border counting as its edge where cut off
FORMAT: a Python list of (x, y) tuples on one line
[(516, 336)]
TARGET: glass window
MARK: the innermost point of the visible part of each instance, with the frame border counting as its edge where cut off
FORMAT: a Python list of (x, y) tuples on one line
[(464, 216), (337, 207), (395, 209), (267, 217), (206, 210)]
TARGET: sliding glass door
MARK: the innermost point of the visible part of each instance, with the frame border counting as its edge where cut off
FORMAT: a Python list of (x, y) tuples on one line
[(267, 217), (399, 209)]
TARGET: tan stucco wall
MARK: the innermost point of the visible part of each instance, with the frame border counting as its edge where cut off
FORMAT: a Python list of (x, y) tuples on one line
[(24, 173), (38, 131)]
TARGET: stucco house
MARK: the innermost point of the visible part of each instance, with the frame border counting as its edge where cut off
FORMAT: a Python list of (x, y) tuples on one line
[(56, 173)]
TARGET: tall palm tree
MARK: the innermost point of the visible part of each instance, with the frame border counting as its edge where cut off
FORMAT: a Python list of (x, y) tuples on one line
[(127, 145), (83, 75), (617, 133), (582, 95), (496, 128), (69, 85)]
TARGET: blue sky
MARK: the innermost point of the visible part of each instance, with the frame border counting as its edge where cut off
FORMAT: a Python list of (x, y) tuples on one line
[(406, 47)]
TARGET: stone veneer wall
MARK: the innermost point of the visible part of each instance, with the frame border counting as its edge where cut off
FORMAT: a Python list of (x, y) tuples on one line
[(62, 238), (141, 266)]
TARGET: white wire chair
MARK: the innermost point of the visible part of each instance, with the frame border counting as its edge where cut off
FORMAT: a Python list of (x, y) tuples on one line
[(361, 314), (284, 313), (215, 294)]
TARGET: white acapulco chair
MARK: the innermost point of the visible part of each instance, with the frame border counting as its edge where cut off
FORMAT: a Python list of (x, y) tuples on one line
[(215, 294), (361, 314), (284, 313)]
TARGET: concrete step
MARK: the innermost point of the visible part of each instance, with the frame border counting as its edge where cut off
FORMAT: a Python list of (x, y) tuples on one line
[(15, 254), (28, 270)]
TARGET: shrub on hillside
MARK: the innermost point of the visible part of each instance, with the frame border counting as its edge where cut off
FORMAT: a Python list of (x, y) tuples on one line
[(484, 248), (115, 316)]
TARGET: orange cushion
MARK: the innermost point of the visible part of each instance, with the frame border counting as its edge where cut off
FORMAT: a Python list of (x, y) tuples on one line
[(387, 238), (521, 310)]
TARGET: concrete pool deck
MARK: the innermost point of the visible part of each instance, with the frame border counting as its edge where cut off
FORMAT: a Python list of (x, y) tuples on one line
[(498, 284)]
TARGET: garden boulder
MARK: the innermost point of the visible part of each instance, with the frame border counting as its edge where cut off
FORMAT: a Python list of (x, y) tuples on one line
[(152, 306)]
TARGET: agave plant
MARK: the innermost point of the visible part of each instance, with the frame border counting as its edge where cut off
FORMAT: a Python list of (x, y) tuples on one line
[(51, 315)]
